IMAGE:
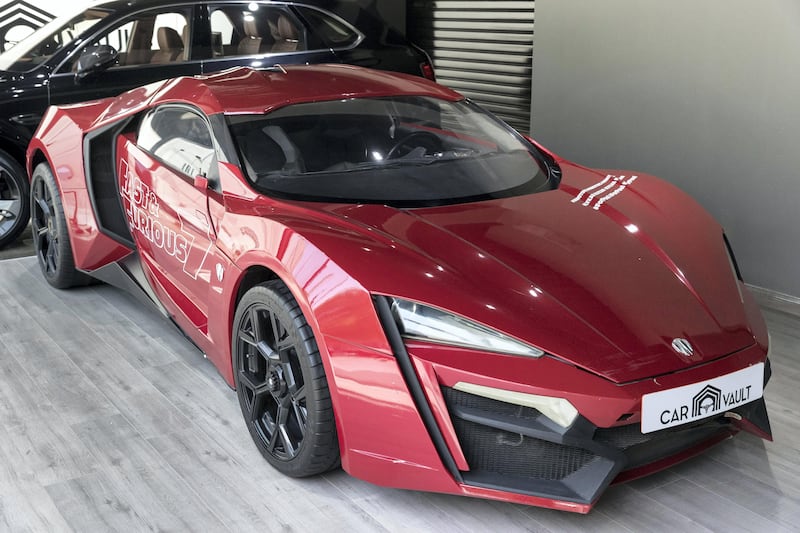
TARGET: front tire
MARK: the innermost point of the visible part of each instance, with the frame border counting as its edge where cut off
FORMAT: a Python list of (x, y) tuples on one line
[(281, 384), (50, 234), (14, 209)]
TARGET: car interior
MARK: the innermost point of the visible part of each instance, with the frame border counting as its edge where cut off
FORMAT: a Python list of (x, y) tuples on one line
[(267, 31), (157, 40)]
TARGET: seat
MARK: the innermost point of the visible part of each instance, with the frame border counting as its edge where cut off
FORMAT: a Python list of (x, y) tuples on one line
[(269, 150), (262, 155), (286, 36), (139, 51), (170, 46), (187, 41), (251, 42)]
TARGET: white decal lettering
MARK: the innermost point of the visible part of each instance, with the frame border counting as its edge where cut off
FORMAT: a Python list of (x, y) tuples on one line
[(142, 210)]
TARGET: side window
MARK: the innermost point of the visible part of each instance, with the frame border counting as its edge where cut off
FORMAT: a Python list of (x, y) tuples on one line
[(332, 31), (181, 139), (148, 38), (253, 29), (33, 51)]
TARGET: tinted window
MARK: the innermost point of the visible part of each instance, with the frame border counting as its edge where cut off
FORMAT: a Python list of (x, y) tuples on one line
[(253, 29), (148, 38), (402, 151), (180, 138), (333, 32)]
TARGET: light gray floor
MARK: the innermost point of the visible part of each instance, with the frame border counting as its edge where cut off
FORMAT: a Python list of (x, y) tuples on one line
[(111, 421)]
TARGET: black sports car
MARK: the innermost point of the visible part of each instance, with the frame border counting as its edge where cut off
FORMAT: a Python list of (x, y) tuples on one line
[(112, 46)]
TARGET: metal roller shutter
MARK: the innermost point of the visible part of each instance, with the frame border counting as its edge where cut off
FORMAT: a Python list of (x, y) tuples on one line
[(483, 49)]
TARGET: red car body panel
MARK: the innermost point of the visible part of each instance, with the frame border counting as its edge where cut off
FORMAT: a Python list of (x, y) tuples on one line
[(572, 274), (563, 270)]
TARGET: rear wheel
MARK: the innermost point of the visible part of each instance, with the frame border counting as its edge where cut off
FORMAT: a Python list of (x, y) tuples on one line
[(14, 210), (281, 385), (50, 234)]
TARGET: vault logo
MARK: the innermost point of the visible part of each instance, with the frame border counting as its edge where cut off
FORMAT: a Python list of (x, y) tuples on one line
[(681, 405), (706, 401)]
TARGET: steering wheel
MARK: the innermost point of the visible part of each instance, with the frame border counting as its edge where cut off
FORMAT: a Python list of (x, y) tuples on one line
[(425, 139)]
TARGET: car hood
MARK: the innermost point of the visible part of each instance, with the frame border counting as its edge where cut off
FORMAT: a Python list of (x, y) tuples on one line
[(603, 272)]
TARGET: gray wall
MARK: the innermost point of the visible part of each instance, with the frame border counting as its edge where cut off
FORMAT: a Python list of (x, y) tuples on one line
[(703, 93)]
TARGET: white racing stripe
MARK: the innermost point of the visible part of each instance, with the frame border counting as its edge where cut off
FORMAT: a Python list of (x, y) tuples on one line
[(617, 183), (613, 193), (578, 198)]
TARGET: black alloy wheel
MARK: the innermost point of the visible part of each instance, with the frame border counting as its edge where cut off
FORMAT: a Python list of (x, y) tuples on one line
[(50, 234), (281, 384), (14, 210)]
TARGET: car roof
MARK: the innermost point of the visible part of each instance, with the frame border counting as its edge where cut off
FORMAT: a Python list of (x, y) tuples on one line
[(245, 90)]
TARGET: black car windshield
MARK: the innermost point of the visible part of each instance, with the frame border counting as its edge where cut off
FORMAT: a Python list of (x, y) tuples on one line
[(404, 151), (39, 46)]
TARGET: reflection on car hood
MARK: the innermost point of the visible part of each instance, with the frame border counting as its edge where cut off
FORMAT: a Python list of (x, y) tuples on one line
[(604, 272)]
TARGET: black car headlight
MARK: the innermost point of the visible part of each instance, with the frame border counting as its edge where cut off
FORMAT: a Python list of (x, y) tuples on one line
[(417, 321)]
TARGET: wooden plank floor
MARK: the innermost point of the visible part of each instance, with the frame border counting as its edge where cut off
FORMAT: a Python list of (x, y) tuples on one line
[(111, 421)]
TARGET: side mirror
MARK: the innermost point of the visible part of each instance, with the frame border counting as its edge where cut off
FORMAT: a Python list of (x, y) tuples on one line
[(95, 59)]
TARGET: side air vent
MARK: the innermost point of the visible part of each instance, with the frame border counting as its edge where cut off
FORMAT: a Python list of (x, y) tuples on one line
[(99, 155)]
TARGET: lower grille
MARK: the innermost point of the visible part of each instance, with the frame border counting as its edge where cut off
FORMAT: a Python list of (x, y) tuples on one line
[(623, 436), (511, 447), (512, 454)]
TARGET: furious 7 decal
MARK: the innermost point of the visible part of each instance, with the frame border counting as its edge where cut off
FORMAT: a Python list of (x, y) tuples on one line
[(142, 208), (603, 191), (197, 256)]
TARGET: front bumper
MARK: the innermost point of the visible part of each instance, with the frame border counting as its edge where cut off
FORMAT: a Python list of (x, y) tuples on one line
[(515, 448), (404, 424)]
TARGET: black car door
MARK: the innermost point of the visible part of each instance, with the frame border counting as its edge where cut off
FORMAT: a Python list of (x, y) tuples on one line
[(153, 44)]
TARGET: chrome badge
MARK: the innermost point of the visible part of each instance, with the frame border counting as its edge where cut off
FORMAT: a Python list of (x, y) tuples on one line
[(683, 347)]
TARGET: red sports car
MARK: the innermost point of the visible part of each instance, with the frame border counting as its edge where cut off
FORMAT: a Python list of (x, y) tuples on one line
[(394, 279)]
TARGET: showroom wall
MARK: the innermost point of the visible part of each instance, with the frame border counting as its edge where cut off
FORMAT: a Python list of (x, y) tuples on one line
[(703, 94)]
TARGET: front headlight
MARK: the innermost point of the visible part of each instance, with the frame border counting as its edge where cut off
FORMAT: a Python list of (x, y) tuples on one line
[(417, 321)]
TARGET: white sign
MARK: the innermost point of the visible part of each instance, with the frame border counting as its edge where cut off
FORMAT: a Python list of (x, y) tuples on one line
[(685, 404)]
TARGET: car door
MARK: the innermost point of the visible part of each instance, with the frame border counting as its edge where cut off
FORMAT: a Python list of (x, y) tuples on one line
[(153, 44), (260, 34), (162, 177)]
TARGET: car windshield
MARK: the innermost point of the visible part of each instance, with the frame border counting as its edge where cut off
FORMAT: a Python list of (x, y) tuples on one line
[(405, 151), (39, 46)]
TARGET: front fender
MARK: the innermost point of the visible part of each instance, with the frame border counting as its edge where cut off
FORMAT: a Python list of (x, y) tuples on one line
[(379, 427)]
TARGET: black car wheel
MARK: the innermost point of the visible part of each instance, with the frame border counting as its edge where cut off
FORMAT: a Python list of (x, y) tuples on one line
[(50, 235), (14, 211), (281, 384)]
